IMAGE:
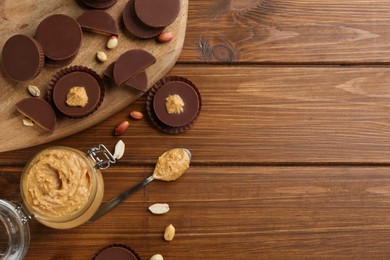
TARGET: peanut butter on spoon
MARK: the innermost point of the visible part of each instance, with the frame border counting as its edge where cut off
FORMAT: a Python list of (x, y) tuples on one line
[(170, 166)]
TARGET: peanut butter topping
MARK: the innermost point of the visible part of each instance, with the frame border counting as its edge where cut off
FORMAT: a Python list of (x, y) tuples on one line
[(77, 97), (171, 165), (174, 104), (57, 183)]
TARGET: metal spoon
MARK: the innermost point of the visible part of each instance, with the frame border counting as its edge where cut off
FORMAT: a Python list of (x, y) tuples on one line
[(109, 205)]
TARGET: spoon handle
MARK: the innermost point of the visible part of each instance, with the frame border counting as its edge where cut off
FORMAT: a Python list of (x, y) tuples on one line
[(109, 205)]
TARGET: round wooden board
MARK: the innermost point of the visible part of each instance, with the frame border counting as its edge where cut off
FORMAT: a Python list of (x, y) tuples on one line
[(23, 17)]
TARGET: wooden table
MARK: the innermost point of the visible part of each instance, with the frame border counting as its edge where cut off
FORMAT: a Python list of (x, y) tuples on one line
[(291, 152)]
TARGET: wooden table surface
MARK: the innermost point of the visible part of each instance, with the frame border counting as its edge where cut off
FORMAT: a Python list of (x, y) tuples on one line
[(291, 153)]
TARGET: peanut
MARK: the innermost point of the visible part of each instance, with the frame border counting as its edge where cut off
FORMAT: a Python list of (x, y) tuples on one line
[(157, 257), (169, 233), (119, 149), (159, 208), (112, 42), (28, 122), (136, 115), (121, 128), (165, 37), (101, 56), (34, 91)]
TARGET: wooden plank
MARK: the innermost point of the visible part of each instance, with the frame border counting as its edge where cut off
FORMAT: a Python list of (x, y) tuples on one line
[(234, 213), (12, 133), (262, 115), (288, 31)]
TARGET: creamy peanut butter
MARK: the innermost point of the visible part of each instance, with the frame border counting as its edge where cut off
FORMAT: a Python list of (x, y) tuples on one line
[(57, 183), (77, 97), (171, 165), (174, 104)]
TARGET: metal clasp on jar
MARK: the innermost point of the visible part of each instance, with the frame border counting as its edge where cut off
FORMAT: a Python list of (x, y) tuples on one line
[(101, 156)]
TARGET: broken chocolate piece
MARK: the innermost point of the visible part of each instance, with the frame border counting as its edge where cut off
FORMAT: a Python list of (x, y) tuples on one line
[(39, 111), (138, 82), (157, 13), (130, 64), (98, 21)]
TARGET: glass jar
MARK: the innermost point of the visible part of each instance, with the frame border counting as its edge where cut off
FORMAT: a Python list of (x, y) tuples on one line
[(61, 188)]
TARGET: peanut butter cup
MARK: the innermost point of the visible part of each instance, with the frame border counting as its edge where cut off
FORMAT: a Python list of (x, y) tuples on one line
[(174, 104), (138, 82), (76, 91), (157, 13), (134, 25), (22, 57), (98, 21), (99, 4), (117, 252), (60, 37)]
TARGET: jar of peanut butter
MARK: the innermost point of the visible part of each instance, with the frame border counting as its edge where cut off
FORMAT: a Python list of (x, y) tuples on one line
[(61, 188)]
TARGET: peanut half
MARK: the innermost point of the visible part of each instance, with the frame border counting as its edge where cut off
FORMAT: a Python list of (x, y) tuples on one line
[(34, 91), (169, 233), (101, 56), (112, 42), (121, 128), (28, 122), (159, 208), (119, 149), (157, 257), (136, 115)]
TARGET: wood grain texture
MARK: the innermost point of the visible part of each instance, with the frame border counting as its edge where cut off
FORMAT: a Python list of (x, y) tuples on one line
[(237, 213), (260, 115), (12, 133), (288, 31)]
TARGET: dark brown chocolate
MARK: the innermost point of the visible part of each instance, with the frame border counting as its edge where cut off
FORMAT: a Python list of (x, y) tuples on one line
[(138, 82), (39, 111), (134, 25), (60, 37), (98, 21), (162, 126), (117, 252), (157, 13), (22, 57), (99, 4), (130, 64), (68, 78)]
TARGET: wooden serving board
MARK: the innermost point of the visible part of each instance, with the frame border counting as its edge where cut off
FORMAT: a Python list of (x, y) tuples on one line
[(23, 17)]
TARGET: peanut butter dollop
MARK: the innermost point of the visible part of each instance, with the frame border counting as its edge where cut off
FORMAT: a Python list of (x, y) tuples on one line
[(77, 97), (174, 104), (171, 165)]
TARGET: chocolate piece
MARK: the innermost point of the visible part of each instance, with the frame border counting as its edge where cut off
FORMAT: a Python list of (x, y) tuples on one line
[(68, 78), (176, 84), (60, 37), (104, 4), (98, 21), (117, 252), (134, 25), (138, 82), (157, 13), (22, 57), (130, 64), (39, 111)]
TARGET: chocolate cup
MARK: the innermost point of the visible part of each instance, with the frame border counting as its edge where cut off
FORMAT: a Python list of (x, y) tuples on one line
[(134, 25), (150, 100), (99, 4), (116, 251), (157, 13), (22, 57), (69, 77), (60, 37)]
